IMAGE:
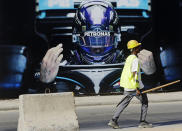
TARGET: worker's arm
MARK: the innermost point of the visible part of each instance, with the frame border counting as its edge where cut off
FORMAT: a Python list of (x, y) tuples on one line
[(135, 78)]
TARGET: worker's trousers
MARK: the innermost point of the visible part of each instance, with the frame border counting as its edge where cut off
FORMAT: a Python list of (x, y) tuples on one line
[(126, 100)]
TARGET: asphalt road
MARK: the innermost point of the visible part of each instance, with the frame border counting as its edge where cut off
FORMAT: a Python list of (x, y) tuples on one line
[(160, 114), (8, 120), (96, 117)]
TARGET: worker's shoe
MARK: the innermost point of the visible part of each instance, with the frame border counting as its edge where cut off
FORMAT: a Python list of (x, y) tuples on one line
[(145, 124), (113, 123)]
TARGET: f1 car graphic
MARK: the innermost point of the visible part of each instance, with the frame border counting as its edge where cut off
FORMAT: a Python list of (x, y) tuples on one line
[(93, 33)]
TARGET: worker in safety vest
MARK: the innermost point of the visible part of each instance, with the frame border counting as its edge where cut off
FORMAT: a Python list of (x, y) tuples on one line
[(131, 82)]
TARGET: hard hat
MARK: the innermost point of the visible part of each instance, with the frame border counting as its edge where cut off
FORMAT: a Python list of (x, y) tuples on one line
[(132, 44)]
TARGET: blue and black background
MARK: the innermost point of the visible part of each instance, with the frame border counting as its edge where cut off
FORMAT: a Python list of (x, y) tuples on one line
[(18, 26)]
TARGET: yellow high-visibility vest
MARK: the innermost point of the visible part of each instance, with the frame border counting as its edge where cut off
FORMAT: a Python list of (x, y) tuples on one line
[(127, 80)]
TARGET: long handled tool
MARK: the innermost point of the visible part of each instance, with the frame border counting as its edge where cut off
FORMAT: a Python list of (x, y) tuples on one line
[(159, 87)]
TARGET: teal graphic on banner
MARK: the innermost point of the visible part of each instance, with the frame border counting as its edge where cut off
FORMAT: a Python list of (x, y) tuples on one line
[(133, 4), (55, 4), (69, 4)]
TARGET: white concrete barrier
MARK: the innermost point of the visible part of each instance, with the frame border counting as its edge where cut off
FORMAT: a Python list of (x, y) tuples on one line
[(47, 112)]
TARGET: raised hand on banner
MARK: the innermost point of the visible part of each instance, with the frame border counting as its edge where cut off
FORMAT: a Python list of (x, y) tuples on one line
[(50, 64)]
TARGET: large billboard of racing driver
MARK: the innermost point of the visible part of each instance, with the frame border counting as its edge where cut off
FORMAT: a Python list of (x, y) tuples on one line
[(95, 52)]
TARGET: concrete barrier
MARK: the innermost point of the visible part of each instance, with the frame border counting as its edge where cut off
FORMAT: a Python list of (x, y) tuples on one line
[(47, 112)]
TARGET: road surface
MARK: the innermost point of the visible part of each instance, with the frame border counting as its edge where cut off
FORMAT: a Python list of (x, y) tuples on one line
[(95, 118)]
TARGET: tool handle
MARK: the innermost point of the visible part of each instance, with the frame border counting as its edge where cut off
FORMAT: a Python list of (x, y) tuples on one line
[(162, 86)]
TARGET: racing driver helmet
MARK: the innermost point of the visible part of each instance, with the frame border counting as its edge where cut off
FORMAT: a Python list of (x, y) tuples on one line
[(96, 31)]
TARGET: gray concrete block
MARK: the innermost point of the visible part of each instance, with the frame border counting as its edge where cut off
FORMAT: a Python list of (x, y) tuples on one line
[(47, 112)]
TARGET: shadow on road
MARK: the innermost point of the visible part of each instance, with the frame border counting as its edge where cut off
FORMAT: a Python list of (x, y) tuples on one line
[(168, 123)]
